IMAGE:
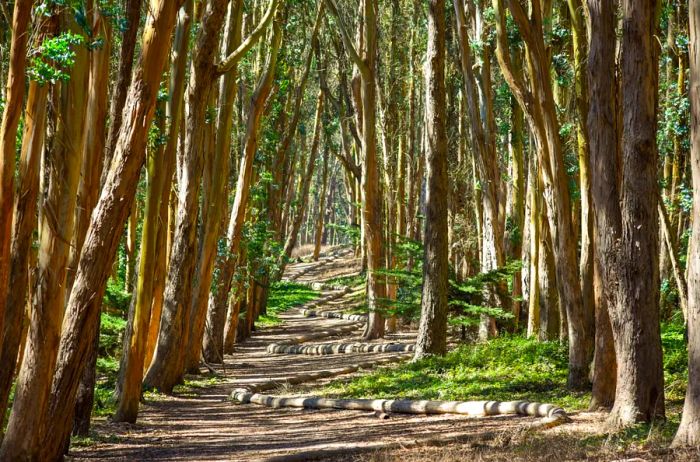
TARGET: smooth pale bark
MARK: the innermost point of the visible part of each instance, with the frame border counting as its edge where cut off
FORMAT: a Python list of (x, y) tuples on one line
[(89, 190), (14, 97), (689, 431), (533, 321), (213, 341), (174, 112), (107, 221), (24, 224), (432, 331), (226, 266), (168, 365)]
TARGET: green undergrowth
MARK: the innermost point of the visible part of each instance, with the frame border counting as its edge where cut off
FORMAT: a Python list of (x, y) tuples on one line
[(283, 296), (112, 328), (505, 369), (348, 281)]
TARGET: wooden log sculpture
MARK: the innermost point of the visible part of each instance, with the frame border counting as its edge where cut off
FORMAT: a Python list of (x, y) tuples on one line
[(318, 375), (548, 412), (334, 315), (340, 348), (316, 335)]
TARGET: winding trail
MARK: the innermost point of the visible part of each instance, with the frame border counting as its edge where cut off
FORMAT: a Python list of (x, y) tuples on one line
[(203, 423)]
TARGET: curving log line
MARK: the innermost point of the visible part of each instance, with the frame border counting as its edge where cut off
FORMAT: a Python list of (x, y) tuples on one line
[(549, 412), (340, 348), (312, 376), (317, 335), (334, 315)]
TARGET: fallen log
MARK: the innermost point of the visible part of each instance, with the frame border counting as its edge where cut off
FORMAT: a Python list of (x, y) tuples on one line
[(313, 376), (334, 315), (549, 412), (317, 335), (340, 348)]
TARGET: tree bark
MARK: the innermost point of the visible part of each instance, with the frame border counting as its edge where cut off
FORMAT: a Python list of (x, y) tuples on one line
[(689, 431), (63, 159), (102, 239), (174, 112), (89, 190), (432, 331), (121, 86), (24, 224), (625, 197), (213, 342), (14, 97)]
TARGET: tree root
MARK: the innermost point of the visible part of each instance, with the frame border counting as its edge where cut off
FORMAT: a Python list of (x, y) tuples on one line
[(339, 348), (312, 376)]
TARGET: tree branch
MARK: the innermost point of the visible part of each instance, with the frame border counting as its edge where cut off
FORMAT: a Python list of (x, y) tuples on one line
[(516, 85), (347, 41), (232, 59)]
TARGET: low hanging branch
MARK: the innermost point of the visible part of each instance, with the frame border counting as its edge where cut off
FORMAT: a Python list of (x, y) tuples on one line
[(340, 348), (549, 412)]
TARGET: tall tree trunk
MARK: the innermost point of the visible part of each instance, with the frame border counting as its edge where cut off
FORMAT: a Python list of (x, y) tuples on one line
[(539, 107), (89, 190), (25, 222), (212, 344), (14, 97), (305, 184), (168, 365), (132, 10), (432, 332), (225, 267), (689, 430), (103, 236), (174, 113), (63, 159), (625, 194), (318, 237)]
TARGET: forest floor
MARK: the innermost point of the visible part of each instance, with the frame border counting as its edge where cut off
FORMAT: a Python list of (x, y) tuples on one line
[(201, 422)]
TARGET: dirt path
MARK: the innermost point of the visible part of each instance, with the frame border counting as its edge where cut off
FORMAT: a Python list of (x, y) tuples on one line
[(204, 424)]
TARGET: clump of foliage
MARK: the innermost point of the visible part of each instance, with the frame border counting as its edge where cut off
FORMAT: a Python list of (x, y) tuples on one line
[(466, 297)]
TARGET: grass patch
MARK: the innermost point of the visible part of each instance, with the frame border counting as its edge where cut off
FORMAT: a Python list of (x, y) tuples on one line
[(348, 281), (283, 296), (514, 368), (504, 369)]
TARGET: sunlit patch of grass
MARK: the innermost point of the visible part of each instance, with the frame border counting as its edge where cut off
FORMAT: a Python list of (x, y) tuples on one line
[(504, 369), (283, 296), (348, 281)]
